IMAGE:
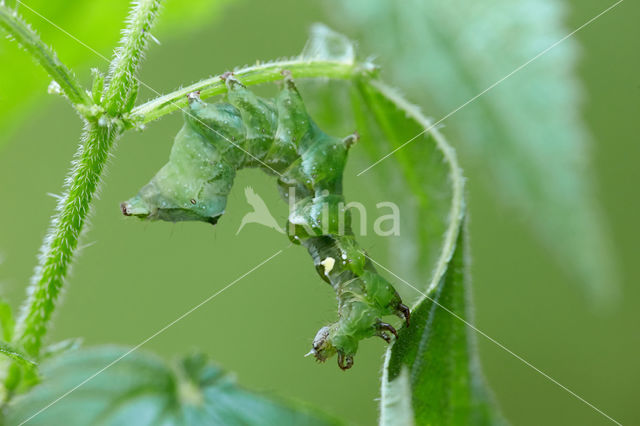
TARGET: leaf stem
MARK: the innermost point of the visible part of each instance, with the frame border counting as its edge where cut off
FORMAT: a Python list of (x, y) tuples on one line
[(11, 22), (257, 74)]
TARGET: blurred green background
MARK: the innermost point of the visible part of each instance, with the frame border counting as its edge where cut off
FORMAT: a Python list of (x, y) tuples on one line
[(133, 278)]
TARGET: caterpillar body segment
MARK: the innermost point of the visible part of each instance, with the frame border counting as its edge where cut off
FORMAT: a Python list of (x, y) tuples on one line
[(279, 137)]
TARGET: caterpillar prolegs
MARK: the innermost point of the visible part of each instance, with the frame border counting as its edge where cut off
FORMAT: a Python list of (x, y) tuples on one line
[(280, 137)]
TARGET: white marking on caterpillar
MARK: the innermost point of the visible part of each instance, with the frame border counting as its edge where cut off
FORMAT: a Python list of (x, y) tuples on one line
[(328, 265)]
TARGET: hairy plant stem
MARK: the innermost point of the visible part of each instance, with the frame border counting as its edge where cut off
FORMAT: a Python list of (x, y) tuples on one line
[(62, 239), (122, 80), (257, 74), (83, 181), (11, 22)]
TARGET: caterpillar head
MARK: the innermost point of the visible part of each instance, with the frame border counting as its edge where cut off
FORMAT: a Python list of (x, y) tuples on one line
[(358, 320), (175, 196), (324, 348), (153, 202), (192, 186), (337, 338)]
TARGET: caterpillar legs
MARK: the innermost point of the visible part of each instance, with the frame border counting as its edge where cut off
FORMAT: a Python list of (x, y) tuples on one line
[(345, 362), (383, 327), (404, 313)]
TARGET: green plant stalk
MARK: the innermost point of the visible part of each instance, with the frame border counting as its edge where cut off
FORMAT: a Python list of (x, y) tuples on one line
[(262, 73), (67, 225), (122, 80), (11, 22), (62, 240)]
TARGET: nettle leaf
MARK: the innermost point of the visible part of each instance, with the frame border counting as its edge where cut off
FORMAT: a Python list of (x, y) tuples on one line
[(421, 173), (431, 373), (526, 132), (416, 179), (141, 389)]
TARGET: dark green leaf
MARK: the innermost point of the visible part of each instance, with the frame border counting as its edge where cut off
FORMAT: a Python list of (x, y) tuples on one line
[(141, 389), (434, 360)]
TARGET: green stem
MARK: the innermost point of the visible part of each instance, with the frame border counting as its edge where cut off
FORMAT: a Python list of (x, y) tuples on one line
[(263, 73), (61, 242), (67, 225), (11, 22), (128, 56)]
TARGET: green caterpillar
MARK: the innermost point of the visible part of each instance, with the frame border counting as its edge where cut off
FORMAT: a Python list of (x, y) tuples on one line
[(279, 137)]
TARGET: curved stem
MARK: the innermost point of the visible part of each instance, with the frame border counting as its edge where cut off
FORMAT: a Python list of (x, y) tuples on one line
[(11, 22), (263, 73)]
